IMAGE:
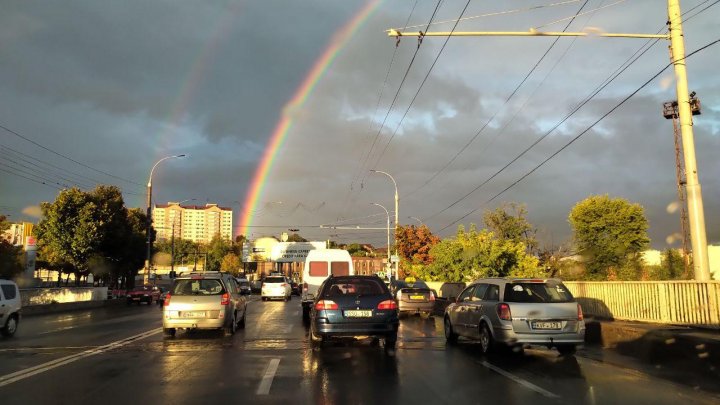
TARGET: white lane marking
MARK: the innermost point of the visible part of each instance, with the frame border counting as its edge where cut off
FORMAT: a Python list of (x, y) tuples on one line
[(29, 372), (264, 387), (34, 349), (524, 383)]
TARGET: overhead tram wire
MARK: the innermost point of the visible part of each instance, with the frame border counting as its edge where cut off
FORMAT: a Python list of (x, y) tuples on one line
[(358, 171), (397, 93), (402, 119), (578, 136), (498, 13), (492, 118), (43, 172), (68, 158), (28, 178), (572, 18), (38, 179), (38, 161), (624, 66)]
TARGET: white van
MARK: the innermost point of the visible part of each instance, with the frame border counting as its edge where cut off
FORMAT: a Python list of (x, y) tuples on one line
[(319, 265)]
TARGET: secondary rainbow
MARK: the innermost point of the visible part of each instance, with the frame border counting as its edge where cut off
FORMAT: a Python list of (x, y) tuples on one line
[(282, 128)]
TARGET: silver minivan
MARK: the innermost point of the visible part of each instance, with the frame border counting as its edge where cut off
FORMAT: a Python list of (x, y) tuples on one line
[(517, 312), (204, 300), (10, 305)]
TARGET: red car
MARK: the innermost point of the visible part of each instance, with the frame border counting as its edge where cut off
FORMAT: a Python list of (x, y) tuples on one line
[(146, 293)]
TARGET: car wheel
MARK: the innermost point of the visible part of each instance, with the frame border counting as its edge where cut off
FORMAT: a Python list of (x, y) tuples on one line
[(230, 330), (317, 340), (169, 332), (264, 298), (241, 323), (10, 326), (128, 302), (486, 339), (450, 335), (566, 350), (390, 343)]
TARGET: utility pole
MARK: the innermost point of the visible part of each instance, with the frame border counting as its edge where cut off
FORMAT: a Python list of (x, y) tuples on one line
[(696, 213)]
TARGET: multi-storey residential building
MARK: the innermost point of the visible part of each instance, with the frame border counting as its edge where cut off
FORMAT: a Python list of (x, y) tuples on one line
[(192, 222)]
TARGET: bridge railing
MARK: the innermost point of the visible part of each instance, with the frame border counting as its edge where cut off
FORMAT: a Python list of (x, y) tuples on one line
[(671, 302)]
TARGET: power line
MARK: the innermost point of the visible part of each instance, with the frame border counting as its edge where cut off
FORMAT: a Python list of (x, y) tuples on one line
[(581, 133), (40, 170), (37, 179), (50, 164), (420, 87), (66, 157), (492, 118)]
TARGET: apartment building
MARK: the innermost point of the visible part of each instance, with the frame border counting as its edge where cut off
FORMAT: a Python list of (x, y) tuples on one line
[(192, 222)]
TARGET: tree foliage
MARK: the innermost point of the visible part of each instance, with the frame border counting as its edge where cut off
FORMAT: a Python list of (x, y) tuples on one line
[(476, 254), (509, 222), (231, 263), (610, 233), (216, 251), (83, 232), (11, 257), (414, 243), (294, 237)]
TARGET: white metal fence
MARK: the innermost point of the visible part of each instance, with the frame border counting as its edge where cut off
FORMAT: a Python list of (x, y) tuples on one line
[(673, 302), (41, 296)]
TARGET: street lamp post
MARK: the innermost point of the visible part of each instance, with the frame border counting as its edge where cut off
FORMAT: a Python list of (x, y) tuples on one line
[(397, 203), (417, 219), (388, 240), (149, 216)]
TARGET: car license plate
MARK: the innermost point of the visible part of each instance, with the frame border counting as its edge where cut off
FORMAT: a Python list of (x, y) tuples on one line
[(358, 313), (417, 297), (193, 314), (547, 325), (136, 298)]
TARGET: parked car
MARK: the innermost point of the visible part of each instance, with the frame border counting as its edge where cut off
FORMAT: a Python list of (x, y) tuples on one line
[(413, 296), (142, 294), (295, 287), (277, 287), (10, 307), (244, 284), (354, 306), (163, 295), (517, 312), (204, 300)]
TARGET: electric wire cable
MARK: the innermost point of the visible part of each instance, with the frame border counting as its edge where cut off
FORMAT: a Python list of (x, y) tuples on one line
[(586, 130)]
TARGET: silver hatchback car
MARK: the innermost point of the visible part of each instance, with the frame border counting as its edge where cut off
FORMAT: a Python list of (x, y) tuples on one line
[(517, 312), (204, 300)]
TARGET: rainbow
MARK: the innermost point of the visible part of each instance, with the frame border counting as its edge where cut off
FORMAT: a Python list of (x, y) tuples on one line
[(282, 128)]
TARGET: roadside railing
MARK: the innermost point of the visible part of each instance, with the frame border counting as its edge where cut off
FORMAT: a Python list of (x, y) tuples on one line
[(671, 302), (44, 296)]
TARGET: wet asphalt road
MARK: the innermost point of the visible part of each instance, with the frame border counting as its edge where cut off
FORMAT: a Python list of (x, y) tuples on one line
[(117, 355)]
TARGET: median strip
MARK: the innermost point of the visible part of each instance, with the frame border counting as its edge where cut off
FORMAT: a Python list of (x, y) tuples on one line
[(29, 372)]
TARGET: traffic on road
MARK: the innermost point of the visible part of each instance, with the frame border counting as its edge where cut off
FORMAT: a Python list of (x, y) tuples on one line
[(116, 352)]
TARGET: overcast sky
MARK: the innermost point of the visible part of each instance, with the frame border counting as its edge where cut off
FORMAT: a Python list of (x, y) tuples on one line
[(115, 86)]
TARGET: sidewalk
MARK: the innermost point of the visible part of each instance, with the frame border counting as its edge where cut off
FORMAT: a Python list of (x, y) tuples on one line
[(687, 355)]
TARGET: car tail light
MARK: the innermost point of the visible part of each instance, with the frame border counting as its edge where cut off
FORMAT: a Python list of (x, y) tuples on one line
[(305, 287), (387, 304), (283, 285), (225, 299), (432, 296), (503, 311), (580, 314), (167, 300), (326, 304)]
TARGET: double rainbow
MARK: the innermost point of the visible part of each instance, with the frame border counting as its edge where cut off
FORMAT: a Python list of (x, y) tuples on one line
[(282, 128)]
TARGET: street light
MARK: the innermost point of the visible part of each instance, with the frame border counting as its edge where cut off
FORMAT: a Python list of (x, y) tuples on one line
[(149, 215), (396, 212), (417, 219), (388, 240)]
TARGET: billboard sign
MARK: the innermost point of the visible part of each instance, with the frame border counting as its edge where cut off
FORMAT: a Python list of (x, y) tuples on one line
[(293, 252)]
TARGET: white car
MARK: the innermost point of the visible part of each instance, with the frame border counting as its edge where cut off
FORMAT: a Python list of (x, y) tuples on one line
[(276, 287), (9, 307)]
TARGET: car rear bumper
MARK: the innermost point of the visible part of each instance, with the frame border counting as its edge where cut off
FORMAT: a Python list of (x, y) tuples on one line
[(354, 329), (415, 307), (194, 323), (508, 336)]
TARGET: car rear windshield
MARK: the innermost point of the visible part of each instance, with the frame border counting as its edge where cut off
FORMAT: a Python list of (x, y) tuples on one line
[(198, 287), (354, 287), (274, 279), (244, 284), (416, 284), (537, 292)]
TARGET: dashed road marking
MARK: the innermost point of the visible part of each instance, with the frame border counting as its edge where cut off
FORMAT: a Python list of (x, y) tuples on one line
[(29, 372), (266, 382), (524, 383)]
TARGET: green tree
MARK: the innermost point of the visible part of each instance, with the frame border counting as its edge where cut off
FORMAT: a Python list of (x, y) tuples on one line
[(216, 251), (509, 222), (610, 233), (11, 257), (231, 263), (294, 237), (472, 255)]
